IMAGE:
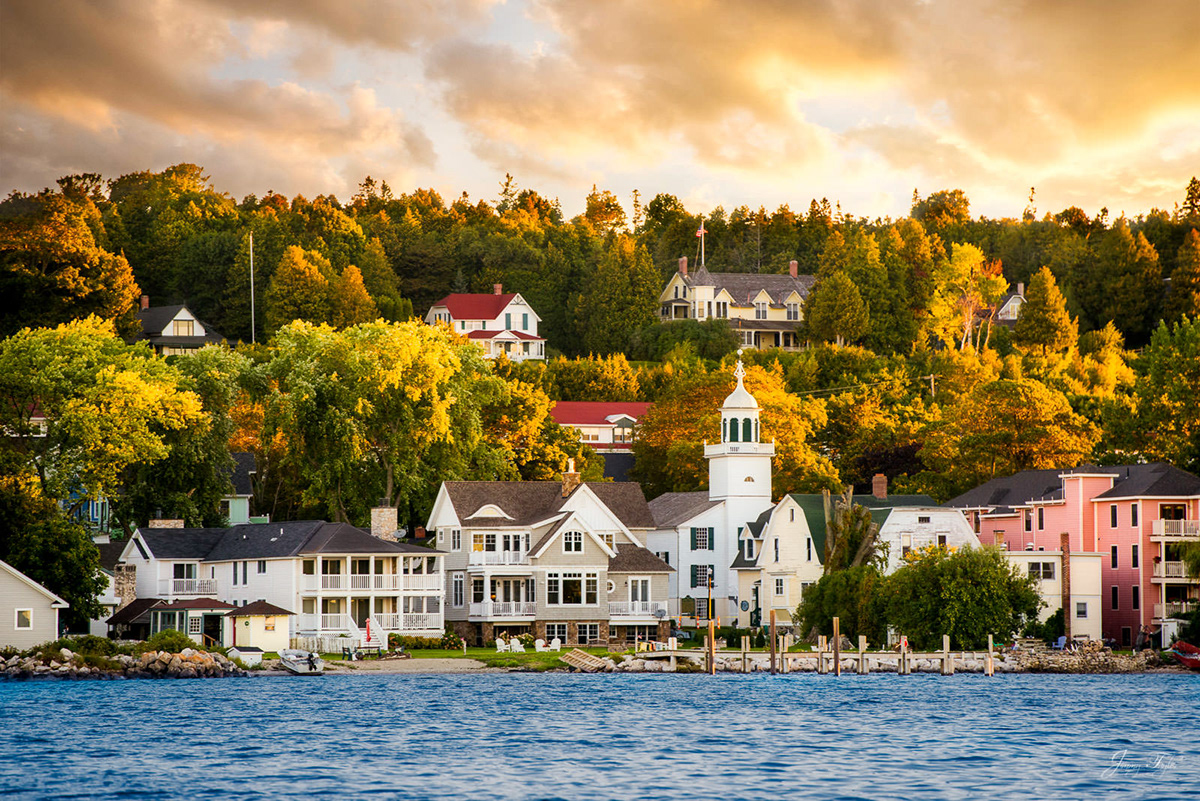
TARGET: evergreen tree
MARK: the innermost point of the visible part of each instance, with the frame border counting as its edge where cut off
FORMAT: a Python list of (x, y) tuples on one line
[(1184, 298), (834, 311), (349, 302), (1122, 283), (298, 291), (1044, 321)]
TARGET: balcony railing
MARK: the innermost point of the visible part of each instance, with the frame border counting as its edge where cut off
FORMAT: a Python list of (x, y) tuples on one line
[(326, 622), (637, 608), (192, 586), (1170, 570), (498, 558), (504, 609), (378, 582), (428, 581), (1174, 609), (1176, 528), (416, 621)]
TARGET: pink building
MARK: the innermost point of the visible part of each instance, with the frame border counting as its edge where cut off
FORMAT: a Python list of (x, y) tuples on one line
[(1138, 515)]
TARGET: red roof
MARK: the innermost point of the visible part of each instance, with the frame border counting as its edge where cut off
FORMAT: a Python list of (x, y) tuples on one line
[(589, 413), (476, 307), (195, 603), (493, 334)]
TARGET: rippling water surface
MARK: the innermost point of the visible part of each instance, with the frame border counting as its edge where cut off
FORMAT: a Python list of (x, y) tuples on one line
[(606, 736)]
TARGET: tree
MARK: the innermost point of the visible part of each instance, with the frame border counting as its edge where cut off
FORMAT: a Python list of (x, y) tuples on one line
[(853, 596), (967, 285), (299, 289), (1184, 297), (80, 406), (967, 593), (851, 536), (621, 297), (349, 303), (1043, 321), (834, 311), (941, 209), (604, 211), (53, 268), (1122, 283)]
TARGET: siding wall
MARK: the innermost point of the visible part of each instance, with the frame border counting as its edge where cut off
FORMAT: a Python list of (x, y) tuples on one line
[(16, 594)]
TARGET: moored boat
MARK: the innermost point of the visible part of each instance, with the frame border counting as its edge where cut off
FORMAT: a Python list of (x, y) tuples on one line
[(301, 663), (1186, 654)]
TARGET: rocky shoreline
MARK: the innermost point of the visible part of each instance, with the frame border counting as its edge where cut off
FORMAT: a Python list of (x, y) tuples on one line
[(187, 664)]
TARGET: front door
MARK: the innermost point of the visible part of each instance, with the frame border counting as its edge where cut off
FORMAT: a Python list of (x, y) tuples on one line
[(212, 630), (360, 610)]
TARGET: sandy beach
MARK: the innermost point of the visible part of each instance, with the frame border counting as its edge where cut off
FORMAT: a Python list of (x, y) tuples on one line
[(434, 665)]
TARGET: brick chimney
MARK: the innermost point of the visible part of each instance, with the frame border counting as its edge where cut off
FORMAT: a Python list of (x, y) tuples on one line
[(1066, 583), (999, 540), (145, 302), (793, 268), (419, 532), (383, 523), (1021, 288), (879, 486), (570, 479), (683, 266), (497, 289)]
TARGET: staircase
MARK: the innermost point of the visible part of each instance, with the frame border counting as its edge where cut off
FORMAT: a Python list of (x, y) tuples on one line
[(378, 637), (581, 660)]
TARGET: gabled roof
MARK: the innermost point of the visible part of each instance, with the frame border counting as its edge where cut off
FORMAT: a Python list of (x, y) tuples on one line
[(55, 601), (1158, 479), (156, 318), (530, 502), (110, 554), (595, 413), (743, 287), (132, 611), (1152, 480), (464, 306), (258, 609), (244, 466), (673, 509), (813, 507), (632, 559), (505, 333), (180, 543), (269, 541), (1015, 490)]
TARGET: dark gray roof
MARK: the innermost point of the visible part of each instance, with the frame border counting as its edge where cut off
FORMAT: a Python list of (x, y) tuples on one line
[(632, 559), (740, 562), (244, 466), (181, 543), (674, 508), (110, 554), (133, 610), (743, 287), (617, 465), (343, 538), (264, 540), (269, 541), (529, 502), (1150, 480), (156, 318), (758, 525), (1130, 481), (1014, 490)]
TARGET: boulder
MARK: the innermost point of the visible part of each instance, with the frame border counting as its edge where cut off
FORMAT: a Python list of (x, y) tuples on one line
[(65, 654)]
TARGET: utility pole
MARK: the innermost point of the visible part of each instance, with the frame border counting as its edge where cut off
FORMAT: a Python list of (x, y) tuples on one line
[(251, 287)]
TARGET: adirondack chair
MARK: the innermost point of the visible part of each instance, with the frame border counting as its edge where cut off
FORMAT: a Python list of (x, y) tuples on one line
[(540, 645), (555, 645), (1060, 644), (500, 646), (515, 646)]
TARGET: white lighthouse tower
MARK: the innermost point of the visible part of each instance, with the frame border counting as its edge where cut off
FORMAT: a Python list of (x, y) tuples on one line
[(739, 475)]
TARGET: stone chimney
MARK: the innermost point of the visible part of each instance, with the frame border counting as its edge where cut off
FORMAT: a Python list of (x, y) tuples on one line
[(879, 486), (999, 540), (497, 289), (1066, 583), (145, 302), (570, 479), (125, 583), (683, 266), (383, 523), (164, 522), (793, 268), (1021, 288)]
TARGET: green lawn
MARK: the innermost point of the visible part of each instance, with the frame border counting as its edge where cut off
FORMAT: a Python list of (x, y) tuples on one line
[(530, 660)]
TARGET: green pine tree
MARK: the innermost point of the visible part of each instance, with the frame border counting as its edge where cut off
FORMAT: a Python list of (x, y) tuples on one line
[(1044, 321)]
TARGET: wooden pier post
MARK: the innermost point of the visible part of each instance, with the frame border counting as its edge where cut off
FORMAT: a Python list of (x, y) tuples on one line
[(947, 660), (773, 642), (837, 647), (784, 662), (989, 663), (745, 654), (864, 667), (712, 646), (821, 653)]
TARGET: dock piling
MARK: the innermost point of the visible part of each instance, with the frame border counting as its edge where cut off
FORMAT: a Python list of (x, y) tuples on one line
[(837, 647)]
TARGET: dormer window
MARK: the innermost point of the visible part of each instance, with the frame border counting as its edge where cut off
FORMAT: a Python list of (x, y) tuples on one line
[(573, 542), (760, 310), (183, 328)]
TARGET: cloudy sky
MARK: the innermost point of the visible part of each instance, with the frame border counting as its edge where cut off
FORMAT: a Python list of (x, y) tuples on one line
[(752, 102)]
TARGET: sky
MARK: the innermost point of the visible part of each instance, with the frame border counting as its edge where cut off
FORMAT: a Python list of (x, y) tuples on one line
[(754, 102)]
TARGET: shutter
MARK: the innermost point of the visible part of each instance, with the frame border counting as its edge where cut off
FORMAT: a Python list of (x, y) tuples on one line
[(695, 575), (693, 542), (712, 536)]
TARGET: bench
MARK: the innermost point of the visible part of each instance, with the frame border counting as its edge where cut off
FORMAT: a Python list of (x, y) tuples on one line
[(350, 654)]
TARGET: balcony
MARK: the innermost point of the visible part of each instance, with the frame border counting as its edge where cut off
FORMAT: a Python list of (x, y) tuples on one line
[(1176, 529), (170, 588), (1170, 570), (622, 609), (486, 558), (378, 582), (1174, 609), (504, 609)]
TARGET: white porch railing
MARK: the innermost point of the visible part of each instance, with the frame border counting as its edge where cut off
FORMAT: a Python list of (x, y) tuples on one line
[(424, 582), (1170, 570), (190, 586), (379, 582), (335, 581), (1174, 609), (416, 621), (1176, 528), (498, 558), (504, 609), (637, 608)]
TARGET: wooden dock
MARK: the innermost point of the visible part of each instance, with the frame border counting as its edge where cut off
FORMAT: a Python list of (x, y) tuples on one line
[(582, 660)]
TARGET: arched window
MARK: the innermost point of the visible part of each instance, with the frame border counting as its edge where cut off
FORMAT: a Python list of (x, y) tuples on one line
[(733, 430), (746, 430), (724, 430), (757, 438)]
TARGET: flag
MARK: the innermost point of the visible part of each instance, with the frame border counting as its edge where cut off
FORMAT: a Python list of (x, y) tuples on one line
[(700, 231)]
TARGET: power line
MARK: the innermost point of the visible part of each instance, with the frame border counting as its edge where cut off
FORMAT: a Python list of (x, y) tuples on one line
[(928, 378)]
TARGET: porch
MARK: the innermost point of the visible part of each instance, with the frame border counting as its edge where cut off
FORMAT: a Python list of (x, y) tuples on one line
[(1176, 529), (192, 587), (624, 611), (506, 610)]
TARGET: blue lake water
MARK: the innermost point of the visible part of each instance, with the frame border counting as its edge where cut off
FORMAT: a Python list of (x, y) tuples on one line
[(606, 736)]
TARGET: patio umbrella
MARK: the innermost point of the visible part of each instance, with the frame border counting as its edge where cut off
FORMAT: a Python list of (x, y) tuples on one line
[(369, 638)]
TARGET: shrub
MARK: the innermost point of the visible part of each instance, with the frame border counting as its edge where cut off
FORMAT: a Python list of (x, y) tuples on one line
[(761, 640), (169, 640), (451, 641), (1050, 631)]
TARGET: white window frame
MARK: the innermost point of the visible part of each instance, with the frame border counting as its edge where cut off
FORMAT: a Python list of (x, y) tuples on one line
[(262, 567), (589, 581), (760, 310), (572, 542), (590, 628), (195, 624), (558, 630), (793, 311), (780, 588), (17, 619), (456, 540), (1081, 610), (458, 591)]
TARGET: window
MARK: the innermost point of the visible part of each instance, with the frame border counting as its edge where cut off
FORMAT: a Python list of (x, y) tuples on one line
[(1172, 511), (722, 309), (1112, 516), (1114, 560), (793, 311), (269, 624), (905, 544), (457, 585), (777, 549), (792, 515), (665, 556), (1081, 610), (702, 539), (573, 542), (183, 328), (245, 572), (556, 631), (922, 519), (1133, 515), (760, 310), (456, 540), (779, 588), (1028, 520), (1136, 601), (524, 321), (589, 632), (477, 591), (181, 571), (1041, 518), (1041, 570), (572, 589), (941, 540), (746, 436), (808, 543), (23, 619), (194, 624), (1134, 557), (608, 539), (507, 321), (309, 567), (235, 574), (701, 574), (1116, 598), (262, 566)]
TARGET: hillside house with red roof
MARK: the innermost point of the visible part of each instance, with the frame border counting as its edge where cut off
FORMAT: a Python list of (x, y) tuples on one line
[(498, 323)]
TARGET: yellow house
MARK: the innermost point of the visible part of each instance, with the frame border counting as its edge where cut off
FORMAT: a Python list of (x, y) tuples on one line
[(259, 625)]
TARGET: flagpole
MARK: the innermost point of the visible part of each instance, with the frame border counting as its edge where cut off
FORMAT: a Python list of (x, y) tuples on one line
[(251, 287)]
